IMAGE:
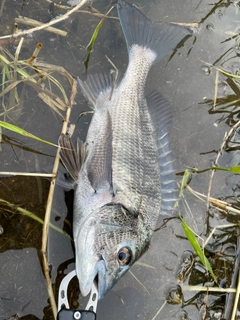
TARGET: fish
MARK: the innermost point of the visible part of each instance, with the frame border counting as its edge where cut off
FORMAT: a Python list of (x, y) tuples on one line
[(123, 173)]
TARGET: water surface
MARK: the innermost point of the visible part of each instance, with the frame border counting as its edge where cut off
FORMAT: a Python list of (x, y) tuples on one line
[(187, 79)]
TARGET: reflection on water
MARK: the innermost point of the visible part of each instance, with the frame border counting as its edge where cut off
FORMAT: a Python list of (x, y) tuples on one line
[(189, 81)]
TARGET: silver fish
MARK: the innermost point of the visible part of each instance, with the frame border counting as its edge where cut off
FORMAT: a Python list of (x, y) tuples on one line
[(123, 172)]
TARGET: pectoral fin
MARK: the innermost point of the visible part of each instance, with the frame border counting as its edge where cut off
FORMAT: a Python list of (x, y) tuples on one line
[(72, 159)]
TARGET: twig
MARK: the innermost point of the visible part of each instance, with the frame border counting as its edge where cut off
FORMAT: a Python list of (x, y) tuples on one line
[(209, 289), (45, 25), (115, 77), (49, 206), (83, 11), (189, 25), (44, 175), (224, 226), (218, 203), (59, 5), (100, 15), (35, 23)]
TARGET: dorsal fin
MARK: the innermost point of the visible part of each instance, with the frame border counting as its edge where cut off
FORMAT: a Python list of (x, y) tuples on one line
[(95, 85), (161, 114)]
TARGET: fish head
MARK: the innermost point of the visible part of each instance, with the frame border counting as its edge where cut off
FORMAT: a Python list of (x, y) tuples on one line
[(106, 247)]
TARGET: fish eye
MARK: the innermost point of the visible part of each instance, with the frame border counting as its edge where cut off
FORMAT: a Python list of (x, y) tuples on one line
[(124, 256)]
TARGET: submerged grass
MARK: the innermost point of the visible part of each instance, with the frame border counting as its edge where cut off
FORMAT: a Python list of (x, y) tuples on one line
[(197, 248), (23, 132), (91, 43), (31, 215), (93, 39)]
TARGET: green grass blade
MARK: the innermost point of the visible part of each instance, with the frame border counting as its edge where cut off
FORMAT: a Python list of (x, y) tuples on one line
[(185, 181), (60, 87), (22, 132), (94, 36), (228, 74), (235, 169), (91, 43), (194, 243)]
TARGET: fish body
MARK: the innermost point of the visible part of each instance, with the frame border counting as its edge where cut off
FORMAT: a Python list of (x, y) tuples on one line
[(123, 172)]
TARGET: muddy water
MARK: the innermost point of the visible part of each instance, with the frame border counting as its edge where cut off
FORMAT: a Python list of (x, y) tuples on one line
[(188, 80)]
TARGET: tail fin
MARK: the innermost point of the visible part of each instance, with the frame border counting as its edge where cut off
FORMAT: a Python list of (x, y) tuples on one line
[(161, 38)]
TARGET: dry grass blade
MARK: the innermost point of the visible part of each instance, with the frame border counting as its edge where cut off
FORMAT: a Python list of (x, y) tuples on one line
[(227, 136), (35, 23), (145, 265), (24, 69), (209, 289), (115, 77), (234, 312), (216, 202), (159, 310), (51, 103), (100, 15), (139, 282)]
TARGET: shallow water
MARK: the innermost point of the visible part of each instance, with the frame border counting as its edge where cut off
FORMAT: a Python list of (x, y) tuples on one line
[(188, 81)]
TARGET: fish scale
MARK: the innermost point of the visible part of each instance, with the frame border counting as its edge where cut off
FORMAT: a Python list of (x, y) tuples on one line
[(128, 174), (152, 183)]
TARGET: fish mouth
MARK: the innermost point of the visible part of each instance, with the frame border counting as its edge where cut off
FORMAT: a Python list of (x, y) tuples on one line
[(93, 273), (90, 264)]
